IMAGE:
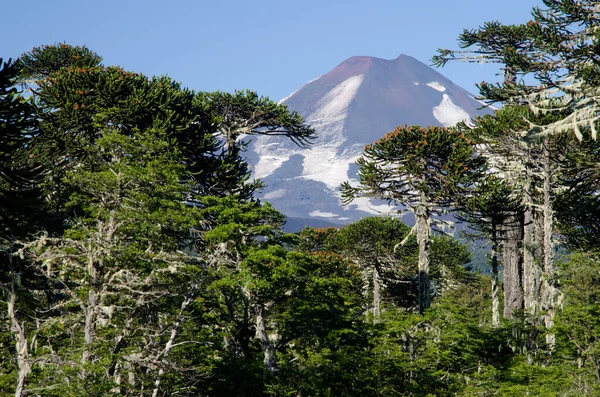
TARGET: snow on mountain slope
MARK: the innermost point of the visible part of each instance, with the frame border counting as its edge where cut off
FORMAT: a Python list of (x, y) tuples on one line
[(435, 85), (448, 113), (352, 105), (321, 162)]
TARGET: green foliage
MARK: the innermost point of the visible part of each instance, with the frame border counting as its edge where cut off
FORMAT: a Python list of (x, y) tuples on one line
[(548, 64), (18, 193), (238, 222), (372, 239), (79, 103), (577, 325), (158, 271), (492, 204), (117, 263), (373, 244), (245, 112), (41, 62), (578, 204), (437, 162), (425, 170)]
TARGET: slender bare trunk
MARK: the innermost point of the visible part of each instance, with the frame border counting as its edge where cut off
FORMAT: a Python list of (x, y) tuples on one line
[(376, 295), (531, 269), (494, 263), (230, 140), (548, 213), (548, 290), (270, 358), (90, 310), (423, 232), (171, 341), (18, 330), (89, 331), (511, 261)]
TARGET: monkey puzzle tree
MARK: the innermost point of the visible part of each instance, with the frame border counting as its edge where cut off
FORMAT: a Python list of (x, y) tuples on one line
[(247, 113), (45, 60), (18, 127), (422, 169), (509, 45), (555, 56)]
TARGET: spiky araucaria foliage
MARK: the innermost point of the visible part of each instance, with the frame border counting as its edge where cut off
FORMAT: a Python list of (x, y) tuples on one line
[(19, 208), (42, 61), (422, 169), (410, 162), (247, 113), (78, 103), (509, 45), (550, 63)]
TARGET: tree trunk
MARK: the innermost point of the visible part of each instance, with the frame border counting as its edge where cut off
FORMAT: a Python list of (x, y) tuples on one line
[(90, 317), (169, 345), (512, 229), (19, 332), (548, 295), (376, 295), (95, 262), (548, 213), (531, 269), (92, 304), (511, 261), (423, 232), (270, 357), (494, 263), (230, 140)]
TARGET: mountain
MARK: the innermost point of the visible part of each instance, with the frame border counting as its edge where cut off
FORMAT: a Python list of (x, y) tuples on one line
[(351, 106)]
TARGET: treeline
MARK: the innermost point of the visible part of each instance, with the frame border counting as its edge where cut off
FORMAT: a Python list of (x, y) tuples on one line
[(135, 259)]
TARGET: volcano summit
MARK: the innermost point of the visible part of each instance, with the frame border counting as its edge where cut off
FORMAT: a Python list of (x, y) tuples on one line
[(353, 105)]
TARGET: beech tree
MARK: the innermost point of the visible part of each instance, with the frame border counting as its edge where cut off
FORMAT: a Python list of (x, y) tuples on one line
[(388, 270), (113, 263), (422, 169), (370, 244)]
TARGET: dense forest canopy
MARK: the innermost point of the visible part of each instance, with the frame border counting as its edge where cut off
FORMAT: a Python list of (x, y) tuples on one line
[(135, 258)]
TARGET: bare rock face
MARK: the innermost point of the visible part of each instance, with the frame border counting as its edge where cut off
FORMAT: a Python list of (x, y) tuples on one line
[(353, 105)]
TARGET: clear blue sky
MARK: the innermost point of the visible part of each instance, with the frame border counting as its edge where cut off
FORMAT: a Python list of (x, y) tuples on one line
[(271, 46)]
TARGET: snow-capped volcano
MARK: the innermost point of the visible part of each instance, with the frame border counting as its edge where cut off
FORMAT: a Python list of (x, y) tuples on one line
[(351, 106)]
